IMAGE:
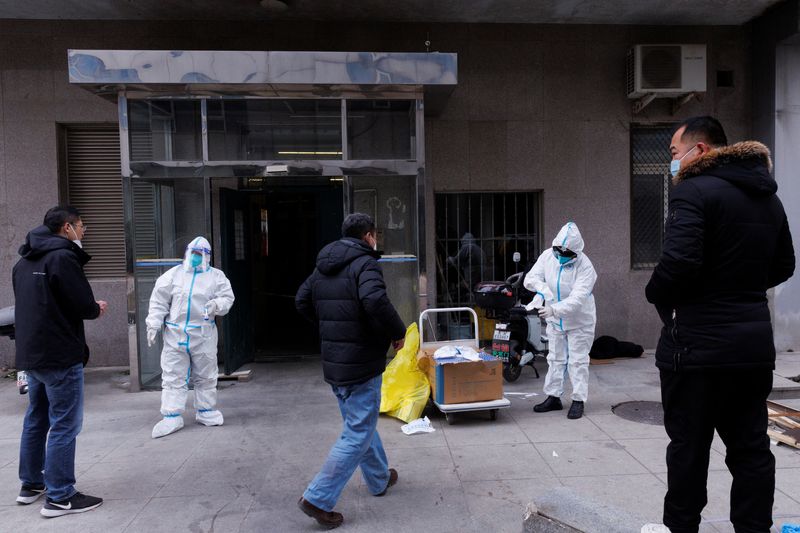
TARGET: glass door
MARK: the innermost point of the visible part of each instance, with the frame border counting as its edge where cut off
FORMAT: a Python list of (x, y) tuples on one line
[(167, 215), (392, 202)]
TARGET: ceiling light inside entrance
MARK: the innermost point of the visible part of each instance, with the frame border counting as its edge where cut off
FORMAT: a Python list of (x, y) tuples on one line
[(308, 152)]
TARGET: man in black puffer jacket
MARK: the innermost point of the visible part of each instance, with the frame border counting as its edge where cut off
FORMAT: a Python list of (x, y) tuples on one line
[(727, 241), (53, 298), (347, 297)]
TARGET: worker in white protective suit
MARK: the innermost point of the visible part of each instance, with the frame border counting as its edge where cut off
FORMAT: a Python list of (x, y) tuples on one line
[(562, 280), (185, 300)]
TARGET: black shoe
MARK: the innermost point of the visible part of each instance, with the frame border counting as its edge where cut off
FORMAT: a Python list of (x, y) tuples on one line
[(575, 410), (78, 503), (327, 519), (392, 481), (550, 404), (30, 493)]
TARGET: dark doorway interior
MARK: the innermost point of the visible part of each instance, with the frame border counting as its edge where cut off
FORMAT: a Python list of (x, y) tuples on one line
[(288, 222)]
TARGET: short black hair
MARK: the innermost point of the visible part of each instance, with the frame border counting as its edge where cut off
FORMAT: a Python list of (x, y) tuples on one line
[(705, 128), (58, 215), (357, 225)]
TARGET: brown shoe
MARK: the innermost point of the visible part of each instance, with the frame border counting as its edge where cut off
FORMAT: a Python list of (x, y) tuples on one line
[(327, 519), (392, 481)]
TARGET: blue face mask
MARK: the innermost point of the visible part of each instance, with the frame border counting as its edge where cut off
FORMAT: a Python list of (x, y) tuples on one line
[(564, 260), (675, 164), (197, 260)]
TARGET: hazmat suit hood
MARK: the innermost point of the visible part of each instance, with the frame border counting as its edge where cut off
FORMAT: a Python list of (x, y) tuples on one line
[(201, 245), (338, 254), (570, 237), (41, 241)]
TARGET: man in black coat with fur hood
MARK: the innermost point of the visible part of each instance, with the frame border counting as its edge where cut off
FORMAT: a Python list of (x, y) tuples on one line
[(726, 242), (346, 297)]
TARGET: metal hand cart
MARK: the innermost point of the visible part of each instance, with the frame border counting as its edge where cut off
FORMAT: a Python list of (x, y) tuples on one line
[(449, 409)]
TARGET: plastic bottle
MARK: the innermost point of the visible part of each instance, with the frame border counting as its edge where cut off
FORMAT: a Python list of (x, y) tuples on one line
[(206, 328), (22, 382)]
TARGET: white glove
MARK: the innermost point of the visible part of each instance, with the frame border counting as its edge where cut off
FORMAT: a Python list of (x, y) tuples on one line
[(211, 309), (152, 333), (546, 312)]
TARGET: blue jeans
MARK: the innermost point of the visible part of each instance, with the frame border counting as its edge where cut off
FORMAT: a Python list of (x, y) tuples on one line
[(358, 445), (56, 405)]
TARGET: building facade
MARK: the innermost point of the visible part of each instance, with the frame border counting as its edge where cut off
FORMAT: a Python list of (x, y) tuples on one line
[(538, 130)]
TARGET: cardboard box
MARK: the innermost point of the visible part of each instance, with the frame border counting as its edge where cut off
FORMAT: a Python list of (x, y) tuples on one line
[(458, 380)]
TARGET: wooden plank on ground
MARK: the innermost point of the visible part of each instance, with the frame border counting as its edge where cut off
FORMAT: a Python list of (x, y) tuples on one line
[(241, 375), (791, 438)]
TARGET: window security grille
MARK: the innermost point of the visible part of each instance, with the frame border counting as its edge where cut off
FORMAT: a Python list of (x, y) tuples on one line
[(650, 183), (476, 237)]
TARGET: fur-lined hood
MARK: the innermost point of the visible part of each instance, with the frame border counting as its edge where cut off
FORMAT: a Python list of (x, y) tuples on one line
[(746, 164)]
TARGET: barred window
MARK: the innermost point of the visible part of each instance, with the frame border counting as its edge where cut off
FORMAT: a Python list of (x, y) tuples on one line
[(476, 237), (650, 182)]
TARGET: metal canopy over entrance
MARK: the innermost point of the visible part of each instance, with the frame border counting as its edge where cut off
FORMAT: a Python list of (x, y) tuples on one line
[(219, 143)]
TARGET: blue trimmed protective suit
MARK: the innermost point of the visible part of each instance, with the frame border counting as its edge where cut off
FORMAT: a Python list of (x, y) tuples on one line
[(181, 299), (567, 289)]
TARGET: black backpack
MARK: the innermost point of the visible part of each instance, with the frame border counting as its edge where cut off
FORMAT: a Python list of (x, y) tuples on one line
[(607, 347)]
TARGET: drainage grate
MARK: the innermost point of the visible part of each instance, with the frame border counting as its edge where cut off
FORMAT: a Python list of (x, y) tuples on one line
[(644, 412)]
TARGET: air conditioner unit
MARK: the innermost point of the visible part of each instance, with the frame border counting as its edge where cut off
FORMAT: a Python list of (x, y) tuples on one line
[(666, 70)]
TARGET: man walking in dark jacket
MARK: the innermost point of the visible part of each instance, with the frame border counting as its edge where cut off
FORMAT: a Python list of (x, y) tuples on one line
[(347, 297), (53, 298), (727, 241)]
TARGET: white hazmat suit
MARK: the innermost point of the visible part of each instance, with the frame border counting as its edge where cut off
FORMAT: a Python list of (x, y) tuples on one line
[(184, 301), (566, 287)]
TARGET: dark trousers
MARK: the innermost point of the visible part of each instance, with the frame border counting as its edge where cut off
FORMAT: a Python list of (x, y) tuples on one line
[(733, 403)]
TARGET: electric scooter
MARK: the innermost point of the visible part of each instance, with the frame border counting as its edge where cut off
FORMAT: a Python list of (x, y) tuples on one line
[(517, 337)]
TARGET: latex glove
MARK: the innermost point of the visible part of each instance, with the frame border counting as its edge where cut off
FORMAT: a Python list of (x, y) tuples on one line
[(151, 336), (546, 312), (211, 308), (537, 302)]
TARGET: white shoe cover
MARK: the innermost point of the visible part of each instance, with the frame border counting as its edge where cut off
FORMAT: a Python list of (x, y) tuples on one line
[(210, 418), (167, 425), (655, 528)]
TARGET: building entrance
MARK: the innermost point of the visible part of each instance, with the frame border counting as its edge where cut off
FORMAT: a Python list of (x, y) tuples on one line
[(270, 239)]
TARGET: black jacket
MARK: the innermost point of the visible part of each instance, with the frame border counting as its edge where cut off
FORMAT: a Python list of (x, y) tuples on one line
[(347, 297), (53, 298), (727, 241)]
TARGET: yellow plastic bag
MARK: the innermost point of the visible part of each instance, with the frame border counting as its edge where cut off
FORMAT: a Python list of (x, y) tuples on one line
[(405, 389)]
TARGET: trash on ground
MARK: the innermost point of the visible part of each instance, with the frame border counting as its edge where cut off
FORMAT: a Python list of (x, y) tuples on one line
[(420, 425)]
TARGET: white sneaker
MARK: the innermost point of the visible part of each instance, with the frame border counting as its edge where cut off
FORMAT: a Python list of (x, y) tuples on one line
[(167, 425), (209, 418), (655, 528)]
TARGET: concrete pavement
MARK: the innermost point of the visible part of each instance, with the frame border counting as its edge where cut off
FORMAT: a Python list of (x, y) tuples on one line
[(603, 473)]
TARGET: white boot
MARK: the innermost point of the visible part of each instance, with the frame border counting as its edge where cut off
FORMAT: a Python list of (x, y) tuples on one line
[(209, 418), (167, 425), (654, 528)]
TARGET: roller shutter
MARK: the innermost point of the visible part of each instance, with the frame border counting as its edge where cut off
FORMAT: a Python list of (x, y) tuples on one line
[(94, 187)]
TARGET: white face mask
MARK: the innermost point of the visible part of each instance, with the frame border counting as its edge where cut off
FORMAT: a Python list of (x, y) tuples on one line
[(76, 241), (675, 164)]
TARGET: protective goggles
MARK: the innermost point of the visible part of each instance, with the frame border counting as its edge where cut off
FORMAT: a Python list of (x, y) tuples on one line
[(564, 252)]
